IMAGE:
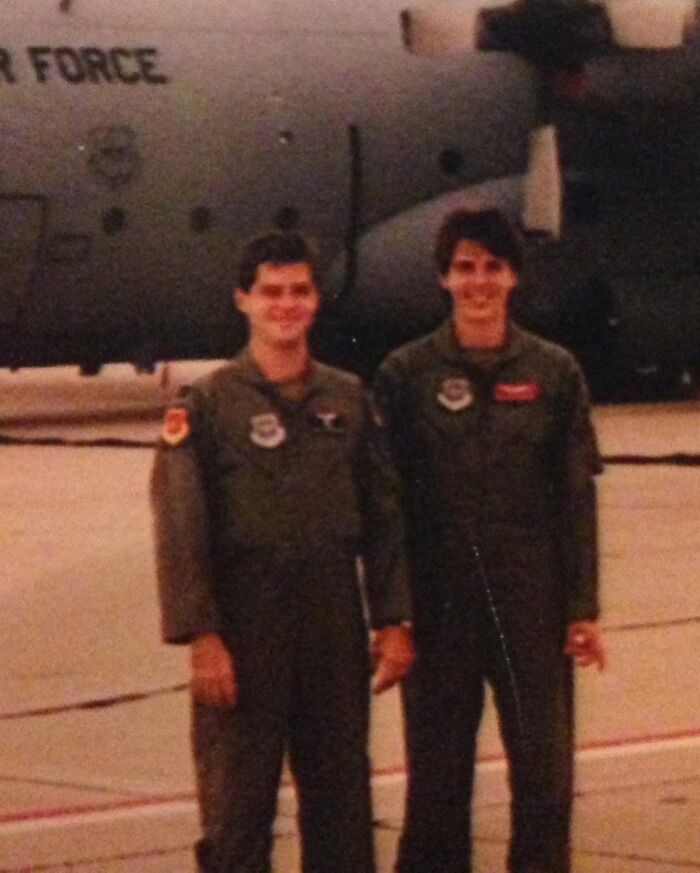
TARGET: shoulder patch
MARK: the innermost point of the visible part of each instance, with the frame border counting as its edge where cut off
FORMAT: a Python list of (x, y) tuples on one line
[(176, 426)]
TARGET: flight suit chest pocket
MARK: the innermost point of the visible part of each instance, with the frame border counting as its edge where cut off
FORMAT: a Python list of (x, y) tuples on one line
[(324, 479), (522, 431), (259, 440), (445, 411), (327, 438)]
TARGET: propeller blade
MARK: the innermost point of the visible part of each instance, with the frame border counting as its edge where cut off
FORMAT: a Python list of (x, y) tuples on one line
[(543, 185), (650, 24)]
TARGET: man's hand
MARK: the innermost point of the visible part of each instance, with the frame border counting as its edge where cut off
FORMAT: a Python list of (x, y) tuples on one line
[(584, 644), (393, 655), (213, 671)]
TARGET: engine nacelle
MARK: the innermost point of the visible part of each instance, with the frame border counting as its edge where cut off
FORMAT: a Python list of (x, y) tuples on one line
[(449, 27)]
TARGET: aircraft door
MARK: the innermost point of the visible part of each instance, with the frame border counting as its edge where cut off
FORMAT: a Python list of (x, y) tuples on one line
[(21, 231)]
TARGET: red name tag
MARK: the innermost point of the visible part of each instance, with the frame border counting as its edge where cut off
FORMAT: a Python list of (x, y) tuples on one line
[(516, 392)]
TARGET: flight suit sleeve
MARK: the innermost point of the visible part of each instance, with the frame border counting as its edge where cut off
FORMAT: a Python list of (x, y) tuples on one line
[(383, 544), (182, 528), (387, 393), (578, 517), (392, 409)]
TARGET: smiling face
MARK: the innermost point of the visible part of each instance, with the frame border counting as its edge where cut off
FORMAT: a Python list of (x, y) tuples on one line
[(280, 305), (480, 284)]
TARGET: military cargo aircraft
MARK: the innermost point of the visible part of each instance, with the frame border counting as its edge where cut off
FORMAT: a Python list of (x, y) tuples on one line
[(142, 141)]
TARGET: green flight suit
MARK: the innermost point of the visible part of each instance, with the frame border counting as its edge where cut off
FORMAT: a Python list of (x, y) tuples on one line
[(497, 456), (262, 506)]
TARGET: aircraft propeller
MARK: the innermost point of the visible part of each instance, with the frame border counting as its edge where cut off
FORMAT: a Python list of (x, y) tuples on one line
[(558, 37)]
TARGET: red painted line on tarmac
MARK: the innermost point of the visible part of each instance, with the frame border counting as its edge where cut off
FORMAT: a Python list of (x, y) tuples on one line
[(92, 808), (186, 797)]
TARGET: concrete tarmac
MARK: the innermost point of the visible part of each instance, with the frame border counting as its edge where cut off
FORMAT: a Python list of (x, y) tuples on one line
[(94, 758)]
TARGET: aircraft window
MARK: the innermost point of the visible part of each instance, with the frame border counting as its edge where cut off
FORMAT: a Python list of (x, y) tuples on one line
[(287, 218), (201, 219), (114, 220), (451, 161)]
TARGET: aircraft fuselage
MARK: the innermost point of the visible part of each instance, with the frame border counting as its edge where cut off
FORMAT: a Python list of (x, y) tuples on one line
[(142, 144)]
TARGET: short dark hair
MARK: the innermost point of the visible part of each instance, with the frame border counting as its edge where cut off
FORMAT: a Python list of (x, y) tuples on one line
[(488, 227), (275, 247)]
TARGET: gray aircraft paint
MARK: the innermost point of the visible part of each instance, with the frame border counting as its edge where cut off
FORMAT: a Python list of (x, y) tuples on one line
[(221, 117), (243, 109)]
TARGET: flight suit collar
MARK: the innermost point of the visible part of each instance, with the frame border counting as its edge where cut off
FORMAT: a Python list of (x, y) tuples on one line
[(450, 349), (249, 372)]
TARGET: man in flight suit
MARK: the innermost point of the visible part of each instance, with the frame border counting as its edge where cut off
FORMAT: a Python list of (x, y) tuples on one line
[(491, 432), (269, 481)]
